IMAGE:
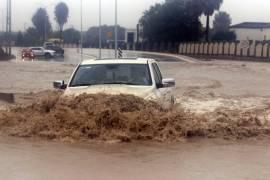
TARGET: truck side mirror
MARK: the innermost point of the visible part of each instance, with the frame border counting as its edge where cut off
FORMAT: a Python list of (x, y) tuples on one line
[(59, 85), (168, 83), (159, 85)]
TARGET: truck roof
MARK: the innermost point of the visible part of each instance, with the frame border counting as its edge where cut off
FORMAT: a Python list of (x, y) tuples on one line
[(118, 61), (36, 47)]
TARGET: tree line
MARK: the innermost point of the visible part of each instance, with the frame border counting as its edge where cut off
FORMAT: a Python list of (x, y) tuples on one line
[(172, 21), (180, 20), (42, 30)]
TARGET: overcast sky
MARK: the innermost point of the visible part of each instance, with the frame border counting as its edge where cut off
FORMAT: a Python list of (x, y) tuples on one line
[(129, 11)]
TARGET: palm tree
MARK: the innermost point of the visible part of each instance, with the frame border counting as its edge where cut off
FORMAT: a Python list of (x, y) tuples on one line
[(61, 16), (208, 8)]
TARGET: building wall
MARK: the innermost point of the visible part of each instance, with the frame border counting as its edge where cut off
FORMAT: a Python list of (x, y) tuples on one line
[(252, 34), (134, 31)]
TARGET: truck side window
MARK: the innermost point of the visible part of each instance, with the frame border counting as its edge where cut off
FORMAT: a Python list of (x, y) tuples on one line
[(158, 79), (158, 71)]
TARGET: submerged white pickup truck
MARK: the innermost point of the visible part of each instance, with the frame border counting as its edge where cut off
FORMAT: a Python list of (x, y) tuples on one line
[(140, 77), (41, 52)]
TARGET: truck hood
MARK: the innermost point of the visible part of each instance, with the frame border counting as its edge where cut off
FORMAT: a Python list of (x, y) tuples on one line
[(145, 92)]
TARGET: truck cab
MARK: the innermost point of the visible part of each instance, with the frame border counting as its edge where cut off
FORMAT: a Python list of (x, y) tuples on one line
[(140, 77)]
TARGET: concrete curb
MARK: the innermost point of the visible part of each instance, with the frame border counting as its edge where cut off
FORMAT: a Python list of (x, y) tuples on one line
[(179, 57)]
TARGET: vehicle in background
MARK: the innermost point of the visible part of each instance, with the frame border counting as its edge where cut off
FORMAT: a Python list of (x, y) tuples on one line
[(51, 46), (48, 44), (140, 77), (55, 40), (42, 52), (27, 54)]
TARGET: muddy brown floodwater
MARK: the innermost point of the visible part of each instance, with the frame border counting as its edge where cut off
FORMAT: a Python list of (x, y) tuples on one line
[(232, 96), (193, 160), (126, 118)]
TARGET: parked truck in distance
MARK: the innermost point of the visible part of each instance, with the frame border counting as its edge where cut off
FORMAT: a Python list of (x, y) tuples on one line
[(42, 52), (52, 46)]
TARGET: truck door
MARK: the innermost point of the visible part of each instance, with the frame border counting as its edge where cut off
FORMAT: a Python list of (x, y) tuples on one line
[(37, 51), (165, 94)]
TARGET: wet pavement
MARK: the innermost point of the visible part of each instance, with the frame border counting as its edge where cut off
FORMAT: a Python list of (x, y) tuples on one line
[(26, 159), (72, 55)]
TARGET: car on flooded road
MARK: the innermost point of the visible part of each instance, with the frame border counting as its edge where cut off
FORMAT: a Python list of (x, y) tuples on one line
[(140, 77), (27, 54)]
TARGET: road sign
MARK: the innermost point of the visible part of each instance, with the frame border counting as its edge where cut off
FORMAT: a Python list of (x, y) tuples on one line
[(110, 34)]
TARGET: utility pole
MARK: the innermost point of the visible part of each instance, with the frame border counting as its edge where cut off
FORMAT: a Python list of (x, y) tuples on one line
[(115, 31), (100, 29)]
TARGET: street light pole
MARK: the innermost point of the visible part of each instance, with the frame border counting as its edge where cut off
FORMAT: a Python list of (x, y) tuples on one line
[(8, 28), (45, 30), (10, 4), (99, 29), (6, 35), (3, 20), (81, 31), (115, 31)]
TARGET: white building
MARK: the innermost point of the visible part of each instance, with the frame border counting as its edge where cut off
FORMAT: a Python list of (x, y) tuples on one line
[(252, 31)]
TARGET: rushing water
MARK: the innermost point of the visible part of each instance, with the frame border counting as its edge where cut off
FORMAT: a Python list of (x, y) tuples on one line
[(26, 159)]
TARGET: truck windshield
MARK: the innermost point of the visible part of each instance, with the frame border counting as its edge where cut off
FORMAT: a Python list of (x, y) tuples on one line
[(99, 74)]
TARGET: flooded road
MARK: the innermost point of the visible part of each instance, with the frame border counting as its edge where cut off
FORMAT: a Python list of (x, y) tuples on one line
[(201, 86), (26, 159)]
